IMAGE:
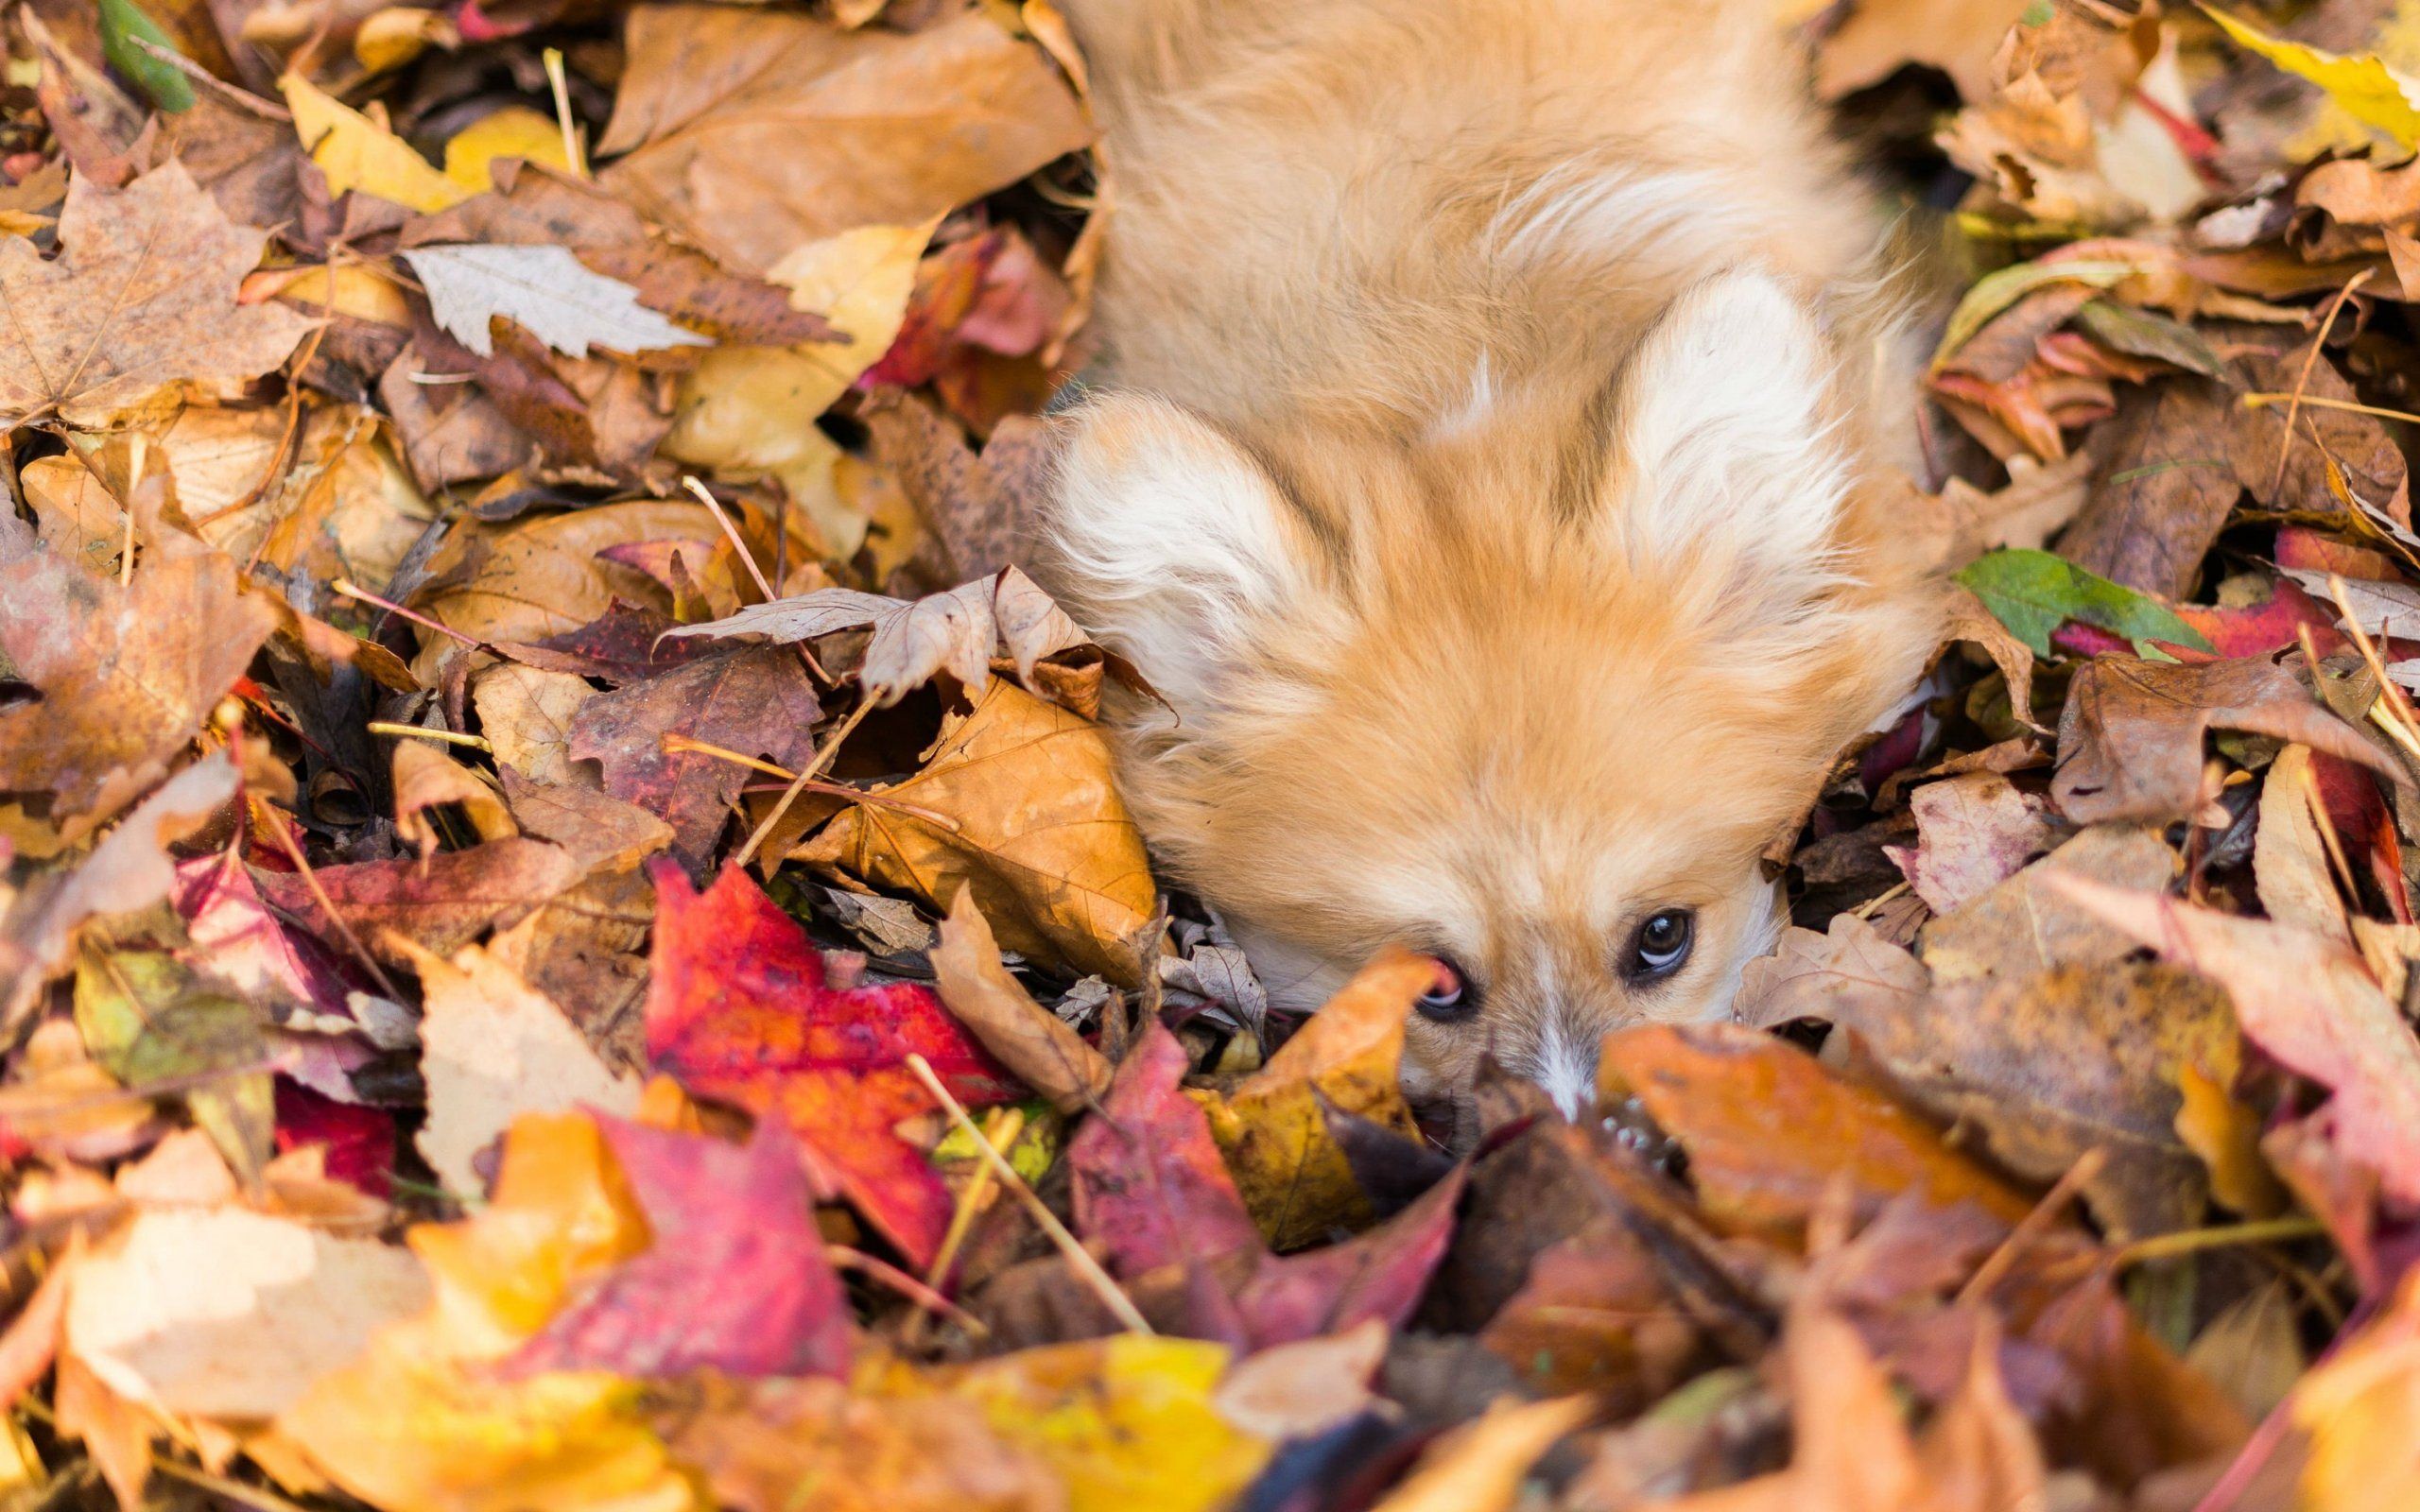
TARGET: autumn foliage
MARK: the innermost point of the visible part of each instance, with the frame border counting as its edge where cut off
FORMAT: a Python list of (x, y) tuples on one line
[(569, 937)]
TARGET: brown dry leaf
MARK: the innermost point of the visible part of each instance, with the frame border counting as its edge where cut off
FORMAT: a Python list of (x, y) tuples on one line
[(1849, 970), (983, 509), (1026, 1038), (543, 577), (752, 133), (526, 714), (2075, 1059), (128, 869), (1975, 831), (2026, 926), (2162, 487), (861, 1453), (2130, 738), (439, 905), (2035, 504), (1027, 816), (958, 632), (1967, 620), (231, 1314), (586, 950), (1853, 1452), (142, 303), (425, 778), (78, 516), (759, 703), (602, 833), (2309, 1003), (491, 1051), (127, 675), (1273, 1127), (2290, 854), (1304, 1388)]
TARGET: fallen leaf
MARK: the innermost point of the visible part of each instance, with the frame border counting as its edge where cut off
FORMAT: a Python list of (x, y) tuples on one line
[(602, 833), (493, 1050), (526, 715), (229, 1314), (151, 1019), (357, 153), (439, 905), (2288, 853), (756, 702), (425, 778), (733, 1277), (141, 303), (1054, 862), (128, 870), (2130, 738), (2162, 489), (738, 1009), (1271, 1127), (128, 674), (2026, 926), (1024, 1036), (2367, 89), (2305, 1001), (1480, 1466), (1974, 832), (547, 292), (1304, 1388), (707, 124), (2359, 1407), (2033, 593), (1768, 1130), (862, 1454)]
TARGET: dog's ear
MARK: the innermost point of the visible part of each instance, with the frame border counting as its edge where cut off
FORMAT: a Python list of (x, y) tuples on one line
[(1719, 459), (1172, 544)]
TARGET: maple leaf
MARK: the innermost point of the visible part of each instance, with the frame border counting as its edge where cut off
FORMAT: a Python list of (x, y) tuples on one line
[(755, 702), (127, 675), (733, 1277), (141, 302), (738, 1009)]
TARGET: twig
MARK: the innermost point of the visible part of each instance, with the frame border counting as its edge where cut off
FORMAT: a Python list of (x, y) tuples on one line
[(381, 727), (2402, 726), (1119, 1304), (2193, 1240), (805, 777), (1865, 909), (2262, 400), (2318, 343), (1004, 1126), (1993, 1270), (561, 84), (275, 824), (677, 744), (714, 506), (351, 589), (926, 1299), (2329, 838)]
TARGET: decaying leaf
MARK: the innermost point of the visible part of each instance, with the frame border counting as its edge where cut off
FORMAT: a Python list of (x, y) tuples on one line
[(1054, 862), (141, 303), (546, 291)]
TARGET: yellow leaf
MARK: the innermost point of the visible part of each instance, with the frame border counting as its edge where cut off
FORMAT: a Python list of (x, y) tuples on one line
[(749, 412), (1272, 1129), (357, 153), (2364, 85), (514, 132), (1128, 1420), (2361, 1409), (1017, 802), (421, 1422)]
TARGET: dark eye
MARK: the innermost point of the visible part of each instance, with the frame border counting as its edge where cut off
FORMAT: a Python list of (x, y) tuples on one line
[(1452, 998), (1662, 944)]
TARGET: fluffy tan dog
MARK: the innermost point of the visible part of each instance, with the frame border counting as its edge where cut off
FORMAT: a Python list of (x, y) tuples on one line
[(1493, 468)]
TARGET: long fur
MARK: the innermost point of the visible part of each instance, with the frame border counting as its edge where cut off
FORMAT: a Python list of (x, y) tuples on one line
[(1487, 470)]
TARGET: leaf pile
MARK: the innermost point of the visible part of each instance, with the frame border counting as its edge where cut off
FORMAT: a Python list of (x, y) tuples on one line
[(567, 938)]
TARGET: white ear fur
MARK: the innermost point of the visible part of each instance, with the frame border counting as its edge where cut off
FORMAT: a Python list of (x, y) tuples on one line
[(1719, 445), (1170, 543)]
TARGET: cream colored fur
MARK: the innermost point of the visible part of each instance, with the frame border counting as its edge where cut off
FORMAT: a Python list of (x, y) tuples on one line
[(1491, 468)]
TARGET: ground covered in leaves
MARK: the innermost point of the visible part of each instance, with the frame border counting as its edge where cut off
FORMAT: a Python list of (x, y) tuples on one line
[(566, 940)]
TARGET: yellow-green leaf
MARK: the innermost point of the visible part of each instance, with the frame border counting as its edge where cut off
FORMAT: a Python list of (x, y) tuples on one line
[(2363, 84)]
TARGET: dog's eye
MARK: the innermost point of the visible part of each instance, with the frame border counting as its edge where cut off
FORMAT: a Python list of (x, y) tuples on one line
[(1662, 944), (1451, 998)]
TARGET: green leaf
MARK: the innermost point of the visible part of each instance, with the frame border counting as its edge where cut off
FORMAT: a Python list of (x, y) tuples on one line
[(2033, 593), (123, 24), (151, 1021), (2147, 334)]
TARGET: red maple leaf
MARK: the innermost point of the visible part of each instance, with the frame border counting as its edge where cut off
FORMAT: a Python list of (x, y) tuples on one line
[(738, 1010)]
